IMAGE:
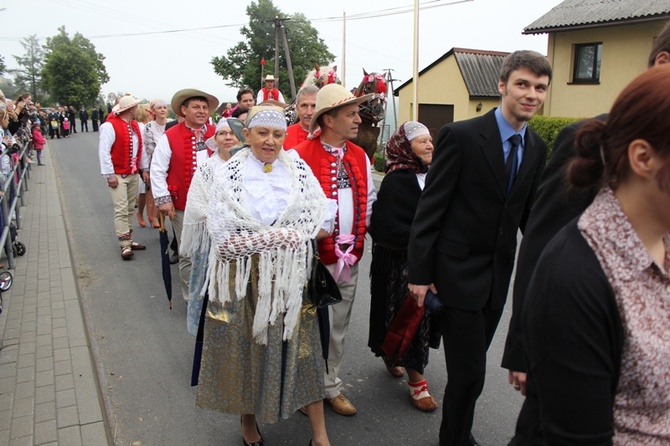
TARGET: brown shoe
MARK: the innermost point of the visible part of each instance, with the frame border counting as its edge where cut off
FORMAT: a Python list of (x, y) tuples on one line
[(396, 372), (127, 253), (421, 397), (342, 405), (137, 246)]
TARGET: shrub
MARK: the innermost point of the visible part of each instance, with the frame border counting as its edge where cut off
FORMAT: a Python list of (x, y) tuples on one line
[(548, 128), (380, 160)]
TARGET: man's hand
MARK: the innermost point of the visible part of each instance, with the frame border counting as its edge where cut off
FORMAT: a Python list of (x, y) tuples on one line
[(418, 292), (167, 209), (518, 380), (113, 182), (145, 176)]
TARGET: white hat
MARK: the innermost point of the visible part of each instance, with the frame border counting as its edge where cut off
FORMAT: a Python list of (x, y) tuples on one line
[(182, 95), (270, 77), (333, 96), (124, 104)]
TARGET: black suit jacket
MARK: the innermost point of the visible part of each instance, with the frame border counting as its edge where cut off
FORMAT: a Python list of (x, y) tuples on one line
[(463, 237), (555, 206)]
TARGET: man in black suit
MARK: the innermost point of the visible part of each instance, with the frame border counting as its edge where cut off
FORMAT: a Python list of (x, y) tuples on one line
[(556, 205), (478, 193)]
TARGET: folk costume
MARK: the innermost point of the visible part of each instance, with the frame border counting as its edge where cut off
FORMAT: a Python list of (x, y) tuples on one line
[(295, 135), (266, 94), (392, 217), (121, 156), (344, 174), (261, 352)]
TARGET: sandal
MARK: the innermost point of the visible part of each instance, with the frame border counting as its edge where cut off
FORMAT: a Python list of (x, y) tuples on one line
[(127, 253), (421, 397)]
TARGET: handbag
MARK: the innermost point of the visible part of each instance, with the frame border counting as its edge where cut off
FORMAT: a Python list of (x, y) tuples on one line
[(322, 288)]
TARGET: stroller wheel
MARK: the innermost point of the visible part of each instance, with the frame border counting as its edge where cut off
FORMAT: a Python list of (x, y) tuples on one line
[(6, 280), (20, 248)]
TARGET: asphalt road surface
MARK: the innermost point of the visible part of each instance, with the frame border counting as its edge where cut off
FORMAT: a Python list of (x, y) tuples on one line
[(143, 351)]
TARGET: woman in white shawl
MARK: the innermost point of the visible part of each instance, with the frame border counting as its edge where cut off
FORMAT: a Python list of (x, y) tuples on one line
[(261, 353)]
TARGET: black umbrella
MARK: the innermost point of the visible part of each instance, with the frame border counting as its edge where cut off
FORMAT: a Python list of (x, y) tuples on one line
[(165, 259), (324, 331), (197, 354)]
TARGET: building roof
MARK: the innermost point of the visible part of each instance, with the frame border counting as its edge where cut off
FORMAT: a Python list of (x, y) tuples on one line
[(580, 14), (480, 70)]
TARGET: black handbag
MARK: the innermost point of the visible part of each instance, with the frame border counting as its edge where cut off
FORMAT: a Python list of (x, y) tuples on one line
[(322, 288)]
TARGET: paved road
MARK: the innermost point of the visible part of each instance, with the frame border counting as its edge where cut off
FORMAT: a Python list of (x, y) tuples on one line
[(144, 353)]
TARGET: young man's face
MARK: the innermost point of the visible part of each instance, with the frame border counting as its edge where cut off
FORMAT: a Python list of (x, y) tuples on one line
[(522, 96), (247, 100)]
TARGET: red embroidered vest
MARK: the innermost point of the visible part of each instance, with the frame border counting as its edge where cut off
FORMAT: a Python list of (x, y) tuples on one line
[(122, 149), (183, 162), (324, 167), (294, 136), (266, 94)]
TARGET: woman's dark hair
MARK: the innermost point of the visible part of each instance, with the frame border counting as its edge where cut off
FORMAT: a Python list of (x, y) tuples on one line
[(239, 111), (642, 111)]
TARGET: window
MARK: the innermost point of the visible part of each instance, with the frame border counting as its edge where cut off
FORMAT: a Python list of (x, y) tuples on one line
[(587, 63)]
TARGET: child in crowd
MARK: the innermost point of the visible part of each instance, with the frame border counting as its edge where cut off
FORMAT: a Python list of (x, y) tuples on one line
[(66, 127), (38, 142)]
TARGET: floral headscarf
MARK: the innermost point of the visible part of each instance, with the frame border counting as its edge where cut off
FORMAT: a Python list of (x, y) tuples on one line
[(399, 153)]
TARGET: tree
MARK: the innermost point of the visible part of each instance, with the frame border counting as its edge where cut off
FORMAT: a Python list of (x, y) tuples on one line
[(73, 71), (241, 67), (29, 76), (3, 67)]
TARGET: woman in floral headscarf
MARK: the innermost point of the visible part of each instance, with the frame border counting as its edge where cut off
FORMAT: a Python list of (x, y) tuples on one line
[(409, 154)]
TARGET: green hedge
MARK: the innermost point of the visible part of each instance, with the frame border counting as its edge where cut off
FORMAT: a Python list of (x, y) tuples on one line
[(380, 160), (549, 128)]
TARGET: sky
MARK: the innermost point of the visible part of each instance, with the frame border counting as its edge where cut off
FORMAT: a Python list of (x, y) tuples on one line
[(158, 64)]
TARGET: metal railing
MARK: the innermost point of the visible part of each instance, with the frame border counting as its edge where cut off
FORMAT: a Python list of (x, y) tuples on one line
[(13, 190)]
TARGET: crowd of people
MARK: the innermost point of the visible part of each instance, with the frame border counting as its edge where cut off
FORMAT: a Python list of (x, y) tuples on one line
[(252, 200)]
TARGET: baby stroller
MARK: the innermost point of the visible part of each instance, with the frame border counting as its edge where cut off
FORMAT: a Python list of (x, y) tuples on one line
[(6, 281), (18, 248)]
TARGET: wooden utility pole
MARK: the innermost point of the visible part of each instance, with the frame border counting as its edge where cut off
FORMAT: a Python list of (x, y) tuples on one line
[(281, 29)]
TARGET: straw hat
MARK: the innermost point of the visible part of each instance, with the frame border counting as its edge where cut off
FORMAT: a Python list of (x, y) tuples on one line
[(125, 103), (333, 96), (270, 77), (182, 95)]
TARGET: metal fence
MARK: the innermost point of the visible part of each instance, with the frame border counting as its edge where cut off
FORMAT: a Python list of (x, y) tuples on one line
[(14, 189)]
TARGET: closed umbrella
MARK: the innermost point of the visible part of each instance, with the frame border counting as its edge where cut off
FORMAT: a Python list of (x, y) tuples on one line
[(165, 259)]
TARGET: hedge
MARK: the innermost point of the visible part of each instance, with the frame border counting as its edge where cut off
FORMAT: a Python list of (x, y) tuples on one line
[(549, 128)]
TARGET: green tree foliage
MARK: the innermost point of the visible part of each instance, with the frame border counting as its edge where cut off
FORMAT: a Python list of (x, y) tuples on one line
[(3, 67), (241, 66), (28, 77), (73, 70), (549, 128)]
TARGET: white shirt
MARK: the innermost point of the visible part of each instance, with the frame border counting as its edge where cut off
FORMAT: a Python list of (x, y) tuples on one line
[(345, 200), (107, 138)]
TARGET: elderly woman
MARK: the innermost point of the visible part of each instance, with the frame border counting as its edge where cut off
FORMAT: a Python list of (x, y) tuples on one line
[(409, 154), (261, 354), (195, 239), (596, 320)]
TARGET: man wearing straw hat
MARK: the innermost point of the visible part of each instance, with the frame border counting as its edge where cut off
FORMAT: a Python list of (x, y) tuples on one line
[(122, 158), (178, 154), (343, 169), (269, 92)]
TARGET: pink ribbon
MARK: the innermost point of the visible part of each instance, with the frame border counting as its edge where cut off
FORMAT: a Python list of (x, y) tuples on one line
[(344, 259)]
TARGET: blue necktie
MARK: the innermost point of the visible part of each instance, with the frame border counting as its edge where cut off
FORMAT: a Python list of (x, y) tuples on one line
[(512, 161)]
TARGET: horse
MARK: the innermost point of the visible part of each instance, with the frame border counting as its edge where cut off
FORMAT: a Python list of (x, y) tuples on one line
[(321, 76), (370, 111)]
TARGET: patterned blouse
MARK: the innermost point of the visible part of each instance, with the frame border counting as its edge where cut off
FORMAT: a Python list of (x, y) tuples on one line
[(642, 290), (150, 136)]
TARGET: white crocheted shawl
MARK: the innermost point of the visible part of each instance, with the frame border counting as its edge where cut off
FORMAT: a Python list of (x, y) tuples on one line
[(218, 209)]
